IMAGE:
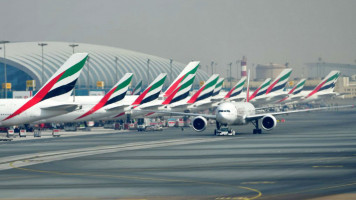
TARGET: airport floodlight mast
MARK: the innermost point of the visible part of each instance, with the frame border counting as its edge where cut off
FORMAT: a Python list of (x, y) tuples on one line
[(42, 45), (212, 66), (148, 71), (237, 69), (116, 60), (170, 74), (88, 83), (230, 77), (5, 73), (73, 46)]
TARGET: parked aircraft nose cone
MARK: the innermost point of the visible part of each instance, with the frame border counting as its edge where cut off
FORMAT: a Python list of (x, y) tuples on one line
[(226, 113)]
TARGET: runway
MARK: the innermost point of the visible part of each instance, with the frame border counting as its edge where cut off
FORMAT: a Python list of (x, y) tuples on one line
[(311, 155)]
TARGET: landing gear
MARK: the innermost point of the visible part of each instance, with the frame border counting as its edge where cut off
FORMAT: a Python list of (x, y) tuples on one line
[(257, 130), (222, 129)]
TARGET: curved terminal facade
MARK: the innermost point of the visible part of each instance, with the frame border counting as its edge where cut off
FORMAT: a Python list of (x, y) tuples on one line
[(107, 64)]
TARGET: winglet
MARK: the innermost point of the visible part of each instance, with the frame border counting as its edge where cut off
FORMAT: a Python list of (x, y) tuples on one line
[(152, 91)]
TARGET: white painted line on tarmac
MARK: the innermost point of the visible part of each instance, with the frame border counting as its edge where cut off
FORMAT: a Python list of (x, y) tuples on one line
[(37, 158)]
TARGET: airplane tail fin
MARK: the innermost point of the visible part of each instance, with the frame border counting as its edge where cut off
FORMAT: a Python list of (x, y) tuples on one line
[(280, 81), (206, 90), (218, 87), (327, 84), (152, 91), (115, 94), (182, 91), (261, 89), (298, 87), (191, 68), (237, 89), (248, 87), (60, 86), (119, 90), (137, 89)]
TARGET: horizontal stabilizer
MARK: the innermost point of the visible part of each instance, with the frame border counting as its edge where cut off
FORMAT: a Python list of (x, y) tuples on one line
[(64, 107)]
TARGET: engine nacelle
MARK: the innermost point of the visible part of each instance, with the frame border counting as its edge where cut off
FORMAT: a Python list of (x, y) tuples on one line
[(199, 123), (268, 122)]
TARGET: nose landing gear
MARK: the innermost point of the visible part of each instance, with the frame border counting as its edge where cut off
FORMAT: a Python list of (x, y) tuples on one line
[(222, 129)]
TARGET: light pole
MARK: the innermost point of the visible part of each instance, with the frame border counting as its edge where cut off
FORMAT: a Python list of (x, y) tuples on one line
[(5, 74), (148, 71), (237, 69), (230, 74), (170, 74), (88, 64), (212, 66), (42, 45), (116, 60), (73, 46)]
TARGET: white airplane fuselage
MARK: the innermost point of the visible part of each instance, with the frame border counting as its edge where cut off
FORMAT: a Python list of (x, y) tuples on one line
[(34, 113), (234, 113)]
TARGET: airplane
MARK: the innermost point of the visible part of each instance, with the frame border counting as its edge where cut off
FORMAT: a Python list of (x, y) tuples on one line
[(51, 100), (274, 91), (293, 93), (190, 69), (217, 95), (235, 94), (239, 113), (150, 94), (325, 89), (261, 90), (200, 100), (137, 89), (177, 100), (178, 96), (94, 107)]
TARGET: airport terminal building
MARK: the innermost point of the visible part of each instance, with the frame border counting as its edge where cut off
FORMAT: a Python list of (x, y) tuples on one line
[(106, 64)]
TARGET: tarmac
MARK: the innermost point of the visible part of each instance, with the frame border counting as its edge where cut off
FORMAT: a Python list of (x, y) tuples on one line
[(309, 156)]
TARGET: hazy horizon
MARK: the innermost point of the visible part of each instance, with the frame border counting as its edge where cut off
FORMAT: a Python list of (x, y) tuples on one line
[(277, 31)]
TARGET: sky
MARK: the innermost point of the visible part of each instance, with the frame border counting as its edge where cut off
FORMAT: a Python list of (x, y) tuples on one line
[(265, 31)]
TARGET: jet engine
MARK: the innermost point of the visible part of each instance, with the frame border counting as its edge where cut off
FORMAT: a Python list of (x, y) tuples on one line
[(268, 122), (199, 123)]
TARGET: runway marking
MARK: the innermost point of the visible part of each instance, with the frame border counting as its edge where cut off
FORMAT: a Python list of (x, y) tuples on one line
[(328, 166), (32, 159), (73, 153), (314, 189), (257, 182), (259, 193)]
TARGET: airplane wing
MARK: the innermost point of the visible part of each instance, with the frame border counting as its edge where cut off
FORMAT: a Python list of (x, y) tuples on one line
[(180, 113), (117, 107), (67, 107), (258, 116)]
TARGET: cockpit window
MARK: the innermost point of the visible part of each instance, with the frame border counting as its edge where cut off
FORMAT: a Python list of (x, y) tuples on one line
[(223, 110)]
